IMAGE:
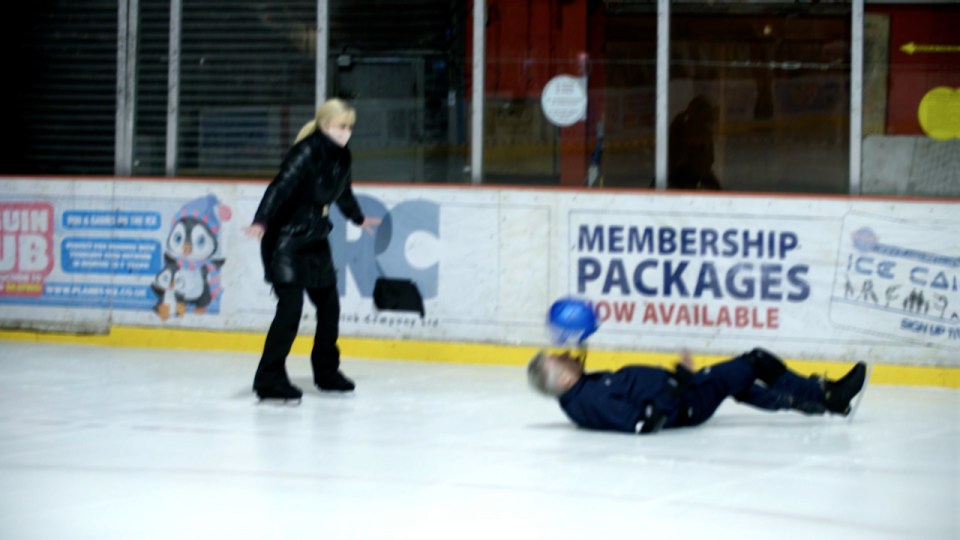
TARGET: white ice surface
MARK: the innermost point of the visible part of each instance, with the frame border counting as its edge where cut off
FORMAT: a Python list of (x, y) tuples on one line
[(109, 443)]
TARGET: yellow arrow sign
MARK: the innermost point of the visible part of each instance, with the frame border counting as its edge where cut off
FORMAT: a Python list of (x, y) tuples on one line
[(912, 47)]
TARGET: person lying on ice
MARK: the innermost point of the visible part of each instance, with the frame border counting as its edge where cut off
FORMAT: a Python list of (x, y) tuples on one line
[(642, 399)]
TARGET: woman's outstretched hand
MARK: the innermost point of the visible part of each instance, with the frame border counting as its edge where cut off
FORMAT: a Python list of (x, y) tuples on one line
[(369, 223), (254, 231)]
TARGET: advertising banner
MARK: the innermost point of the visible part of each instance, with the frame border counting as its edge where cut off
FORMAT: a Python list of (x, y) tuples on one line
[(898, 279), (807, 277), (142, 250)]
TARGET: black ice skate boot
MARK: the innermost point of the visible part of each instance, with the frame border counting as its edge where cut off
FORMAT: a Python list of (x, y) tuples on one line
[(282, 391), (838, 394), (335, 381)]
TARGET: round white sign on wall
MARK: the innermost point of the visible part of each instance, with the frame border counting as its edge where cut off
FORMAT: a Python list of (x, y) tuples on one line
[(564, 100)]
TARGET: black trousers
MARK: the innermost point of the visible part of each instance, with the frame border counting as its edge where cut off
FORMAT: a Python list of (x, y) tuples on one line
[(325, 356)]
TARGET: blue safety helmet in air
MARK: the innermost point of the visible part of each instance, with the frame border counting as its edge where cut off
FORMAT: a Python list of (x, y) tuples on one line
[(571, 321)]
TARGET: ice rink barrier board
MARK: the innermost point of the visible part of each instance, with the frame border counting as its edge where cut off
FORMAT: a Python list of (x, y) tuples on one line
[(833, 278)]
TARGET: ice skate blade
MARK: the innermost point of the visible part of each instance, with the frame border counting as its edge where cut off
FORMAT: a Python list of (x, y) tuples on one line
[(279, 402)]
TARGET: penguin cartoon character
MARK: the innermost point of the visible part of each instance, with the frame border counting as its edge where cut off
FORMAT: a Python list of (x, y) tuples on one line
[(164, 286), (197, 286), (194, 242)]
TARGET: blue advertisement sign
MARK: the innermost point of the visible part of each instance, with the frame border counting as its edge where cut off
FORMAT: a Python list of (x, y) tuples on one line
[(136, 254)]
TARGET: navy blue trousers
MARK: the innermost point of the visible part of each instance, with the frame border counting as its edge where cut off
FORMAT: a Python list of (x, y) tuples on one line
[(710, 386)]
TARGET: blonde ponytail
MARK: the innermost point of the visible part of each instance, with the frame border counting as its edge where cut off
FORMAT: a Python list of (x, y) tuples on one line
[(306, 131)]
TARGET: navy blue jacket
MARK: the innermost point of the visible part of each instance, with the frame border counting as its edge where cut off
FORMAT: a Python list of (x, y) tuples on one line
[(616, 400)]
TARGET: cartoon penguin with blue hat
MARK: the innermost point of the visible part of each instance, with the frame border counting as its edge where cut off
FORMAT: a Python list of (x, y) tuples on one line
[(194, 243)]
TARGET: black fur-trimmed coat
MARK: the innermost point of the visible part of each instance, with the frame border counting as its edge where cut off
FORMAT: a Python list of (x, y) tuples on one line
[(295, 249)]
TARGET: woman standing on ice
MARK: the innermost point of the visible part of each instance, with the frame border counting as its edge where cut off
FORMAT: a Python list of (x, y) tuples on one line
[(292, 223)]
